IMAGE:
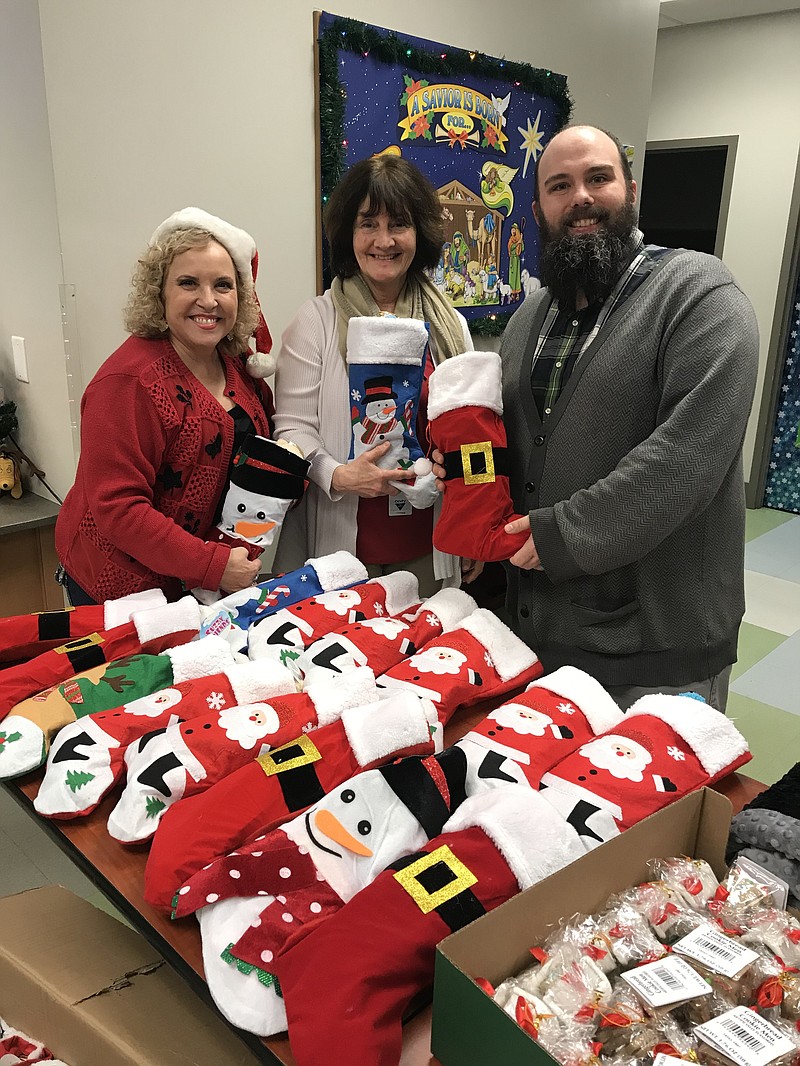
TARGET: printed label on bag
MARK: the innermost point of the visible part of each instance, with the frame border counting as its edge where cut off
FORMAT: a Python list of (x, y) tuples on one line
[(666, 1060), (666, 981), (718, 952), (745, 1037), (399, 505)]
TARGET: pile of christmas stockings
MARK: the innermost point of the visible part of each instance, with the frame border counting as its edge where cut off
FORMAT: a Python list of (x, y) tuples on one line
[(300, 803)]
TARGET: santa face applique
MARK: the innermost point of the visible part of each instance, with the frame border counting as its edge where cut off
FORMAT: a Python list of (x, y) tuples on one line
[(251, 515), (391, 628), (524, 721), (622, 757), (153, 706), (340, 602), (248, 725), (438, 660)]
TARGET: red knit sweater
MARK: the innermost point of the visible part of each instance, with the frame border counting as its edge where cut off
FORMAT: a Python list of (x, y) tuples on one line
[(155, 453)]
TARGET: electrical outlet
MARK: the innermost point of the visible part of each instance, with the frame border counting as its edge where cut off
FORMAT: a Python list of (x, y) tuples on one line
[(20, 358)]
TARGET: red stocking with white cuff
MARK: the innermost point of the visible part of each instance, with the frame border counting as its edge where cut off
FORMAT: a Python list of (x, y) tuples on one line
[(465, 412)]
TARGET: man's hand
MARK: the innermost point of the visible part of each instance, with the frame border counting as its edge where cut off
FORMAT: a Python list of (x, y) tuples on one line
[(527, 558), (363, 476), (240, 573), (470, 569)]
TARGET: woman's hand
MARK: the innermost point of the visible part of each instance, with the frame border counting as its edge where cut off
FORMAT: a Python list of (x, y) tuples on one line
[(438, 468), (363, 476), (240, 573)]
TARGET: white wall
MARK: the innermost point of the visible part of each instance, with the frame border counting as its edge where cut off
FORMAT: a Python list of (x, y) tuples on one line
[(740, 77), (30, 263), (153, 106)]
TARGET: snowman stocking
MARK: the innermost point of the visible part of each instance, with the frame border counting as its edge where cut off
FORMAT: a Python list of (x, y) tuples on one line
[(87, 757), (150, 631), (280, 784), (24, 636), (465, 409), (480, 660), (386, 362), (347, 981), (664, 747), (25, 735), (309, 869), (267, 477), (381, 643), (233, 616), (190, 758), (286, 633), (528, 735)]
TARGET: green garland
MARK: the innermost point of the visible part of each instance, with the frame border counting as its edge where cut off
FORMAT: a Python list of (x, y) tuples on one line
[(348, 35)]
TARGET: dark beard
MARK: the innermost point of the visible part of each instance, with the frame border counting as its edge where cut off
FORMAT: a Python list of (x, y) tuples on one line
[(570, 264)]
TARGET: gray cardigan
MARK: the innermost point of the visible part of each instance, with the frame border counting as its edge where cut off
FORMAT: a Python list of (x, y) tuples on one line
[(634, 483)]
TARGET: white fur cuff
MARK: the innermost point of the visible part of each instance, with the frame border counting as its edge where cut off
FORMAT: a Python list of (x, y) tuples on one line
[(337, 570), (599, 710), (118, 612), (253, 682), (469, 380), (402, 590), (509, 655), (713, 738), (331, 696), (171, 618), (530, 835), (386, 728), (386, 340), (451, 607), (199, 658)]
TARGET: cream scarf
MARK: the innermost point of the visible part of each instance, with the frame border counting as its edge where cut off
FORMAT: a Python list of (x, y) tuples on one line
[(419, 299)]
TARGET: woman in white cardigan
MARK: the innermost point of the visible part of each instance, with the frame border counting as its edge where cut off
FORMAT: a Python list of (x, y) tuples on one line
[(384, 228)]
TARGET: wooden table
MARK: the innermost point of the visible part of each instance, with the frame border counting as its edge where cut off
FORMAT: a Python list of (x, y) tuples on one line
[(118, 871)]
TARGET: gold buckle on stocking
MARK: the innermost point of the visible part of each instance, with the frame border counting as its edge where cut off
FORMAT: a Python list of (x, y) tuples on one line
[(428, 901), (272, 765), (79, 644), (483, 448)]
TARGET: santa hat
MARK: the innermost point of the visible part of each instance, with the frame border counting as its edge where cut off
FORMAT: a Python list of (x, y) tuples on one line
[(242, 249)]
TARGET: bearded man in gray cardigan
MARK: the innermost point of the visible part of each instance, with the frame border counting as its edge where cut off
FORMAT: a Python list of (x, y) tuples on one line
[(627, 384)]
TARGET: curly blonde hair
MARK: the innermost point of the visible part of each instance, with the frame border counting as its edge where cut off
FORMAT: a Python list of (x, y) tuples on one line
[(144, 314)]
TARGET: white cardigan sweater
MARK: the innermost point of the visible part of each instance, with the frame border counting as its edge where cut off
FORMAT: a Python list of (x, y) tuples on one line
[(313, 411)]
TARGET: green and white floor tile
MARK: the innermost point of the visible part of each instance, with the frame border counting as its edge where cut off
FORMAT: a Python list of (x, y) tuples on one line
[(764, 700)]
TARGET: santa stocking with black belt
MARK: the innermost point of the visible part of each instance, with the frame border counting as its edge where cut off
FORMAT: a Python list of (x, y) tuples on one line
[(465, 409)]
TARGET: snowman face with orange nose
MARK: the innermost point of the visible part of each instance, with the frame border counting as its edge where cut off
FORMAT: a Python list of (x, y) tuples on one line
[(356, 831), (252, 516)]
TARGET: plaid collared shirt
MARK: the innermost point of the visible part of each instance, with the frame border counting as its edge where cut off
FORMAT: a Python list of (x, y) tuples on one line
[(566, 335)]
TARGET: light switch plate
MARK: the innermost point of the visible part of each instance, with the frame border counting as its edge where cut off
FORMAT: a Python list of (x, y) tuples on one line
[(20, 358)]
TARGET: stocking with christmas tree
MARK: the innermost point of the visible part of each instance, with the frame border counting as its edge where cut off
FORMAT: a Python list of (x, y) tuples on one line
[(24, 636), (346, 981), (286, 633), (480, 660), (465, 411), (304, 872), (664, 747), (232, 616), (186, 759), (94, 746), (386, 362), (383, 642)]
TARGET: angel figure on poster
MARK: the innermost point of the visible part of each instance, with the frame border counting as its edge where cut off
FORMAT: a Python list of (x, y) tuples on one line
[(381, 421)]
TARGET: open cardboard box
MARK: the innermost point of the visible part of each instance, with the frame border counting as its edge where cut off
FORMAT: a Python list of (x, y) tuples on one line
[(469, 1029), (97, 994)]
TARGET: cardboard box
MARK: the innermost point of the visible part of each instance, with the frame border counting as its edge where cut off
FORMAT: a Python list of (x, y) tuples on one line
[(97, 994), (469, 1029)]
